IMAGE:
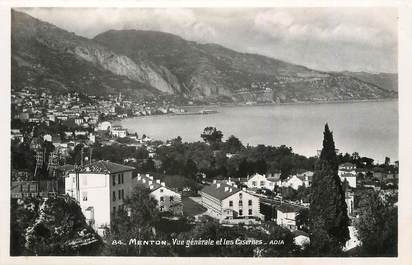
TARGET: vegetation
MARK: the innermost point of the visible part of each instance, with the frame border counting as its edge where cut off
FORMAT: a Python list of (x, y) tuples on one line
[(55, 226), (377, 225), (328, 213)]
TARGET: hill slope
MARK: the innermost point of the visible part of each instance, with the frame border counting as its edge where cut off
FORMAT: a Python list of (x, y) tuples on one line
[(146, 63)]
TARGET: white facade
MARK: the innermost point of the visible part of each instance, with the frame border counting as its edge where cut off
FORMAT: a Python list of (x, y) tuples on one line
[(228, 203), (260, 181), (167, 199), (286, 219), (294, 182), (104, 126), (347, 171), (100, 193)]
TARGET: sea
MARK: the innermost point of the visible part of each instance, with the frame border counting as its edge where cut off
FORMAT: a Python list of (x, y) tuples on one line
[(369, 128)]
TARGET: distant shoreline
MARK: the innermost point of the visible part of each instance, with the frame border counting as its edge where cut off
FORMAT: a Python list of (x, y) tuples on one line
[(258, 104), (291, 103)]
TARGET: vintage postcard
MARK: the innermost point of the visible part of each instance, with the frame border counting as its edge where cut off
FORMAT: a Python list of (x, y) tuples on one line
[(216, 131)]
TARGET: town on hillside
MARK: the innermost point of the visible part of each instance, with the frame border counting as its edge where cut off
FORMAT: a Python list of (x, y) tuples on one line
[(125, 189)]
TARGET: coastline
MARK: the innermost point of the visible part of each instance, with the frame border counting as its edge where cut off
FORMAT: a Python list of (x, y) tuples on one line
[(292, 103), (231, 105)]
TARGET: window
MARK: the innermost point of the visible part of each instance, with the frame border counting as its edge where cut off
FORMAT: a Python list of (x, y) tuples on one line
[(230, 203), (161, 208), (171, 198), (84, 195), (162, 199), (114, 209), (161, 190), (249, 202), (240, 195), (122, 178), (118, 179), (240, 203), (262, 183), (120, 194), (254, 183), (240, 212), (113, 180), (250, 212), (114, 196)]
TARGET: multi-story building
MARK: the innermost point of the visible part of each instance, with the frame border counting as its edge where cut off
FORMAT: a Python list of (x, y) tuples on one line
[(167, 199), (227, 203), (347, 171), (100, 188), (259, 181)]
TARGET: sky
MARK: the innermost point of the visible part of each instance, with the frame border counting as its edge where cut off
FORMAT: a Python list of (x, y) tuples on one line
[(326, 38)]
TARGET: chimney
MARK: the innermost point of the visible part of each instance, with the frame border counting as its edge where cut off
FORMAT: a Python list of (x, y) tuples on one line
[(230, 190), (163, 184), (150, 182), (139, 177), (226, 188), (234, 185), (158, 181), (218, 185), (151, 187), (244, 189)]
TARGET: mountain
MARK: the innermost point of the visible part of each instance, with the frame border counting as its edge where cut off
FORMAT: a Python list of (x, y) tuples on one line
[(148, 63), (388, 81), (44, 55), (211, 70)]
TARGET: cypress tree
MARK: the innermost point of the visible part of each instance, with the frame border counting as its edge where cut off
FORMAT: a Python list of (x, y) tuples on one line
[(328, 210)]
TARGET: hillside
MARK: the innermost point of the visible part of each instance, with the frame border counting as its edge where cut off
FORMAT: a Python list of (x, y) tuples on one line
[(388, 81), (148, 63)]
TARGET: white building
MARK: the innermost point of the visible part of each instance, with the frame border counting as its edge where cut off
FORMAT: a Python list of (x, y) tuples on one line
[(104, 126), (167, 199), (227, 203), (347, 171), (100, 188), (118, 131), (294, 182), (258, 181), (286, 216)]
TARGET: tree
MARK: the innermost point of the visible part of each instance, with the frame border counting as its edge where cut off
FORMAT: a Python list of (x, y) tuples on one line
[(190, 169), (211, 135), (233, 144), (327, 200), (137, 220), (377, 226)]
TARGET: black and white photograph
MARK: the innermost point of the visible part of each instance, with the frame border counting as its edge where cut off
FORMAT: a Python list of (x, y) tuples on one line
[(203, 131)]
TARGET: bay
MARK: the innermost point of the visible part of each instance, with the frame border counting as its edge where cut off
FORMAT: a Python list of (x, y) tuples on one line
[(369, 128)]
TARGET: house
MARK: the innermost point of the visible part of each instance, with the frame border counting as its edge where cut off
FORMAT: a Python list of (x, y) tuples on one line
[(118, 131), (228, 203), (104, 126), (100, 188), (286, 216), (347, 171), (259, 181), (294, 182), (167, 199), (306, 176), (17, 135)]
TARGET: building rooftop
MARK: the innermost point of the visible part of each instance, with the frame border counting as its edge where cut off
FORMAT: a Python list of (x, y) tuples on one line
[(102, 166), (149, 182), (220, 190)]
